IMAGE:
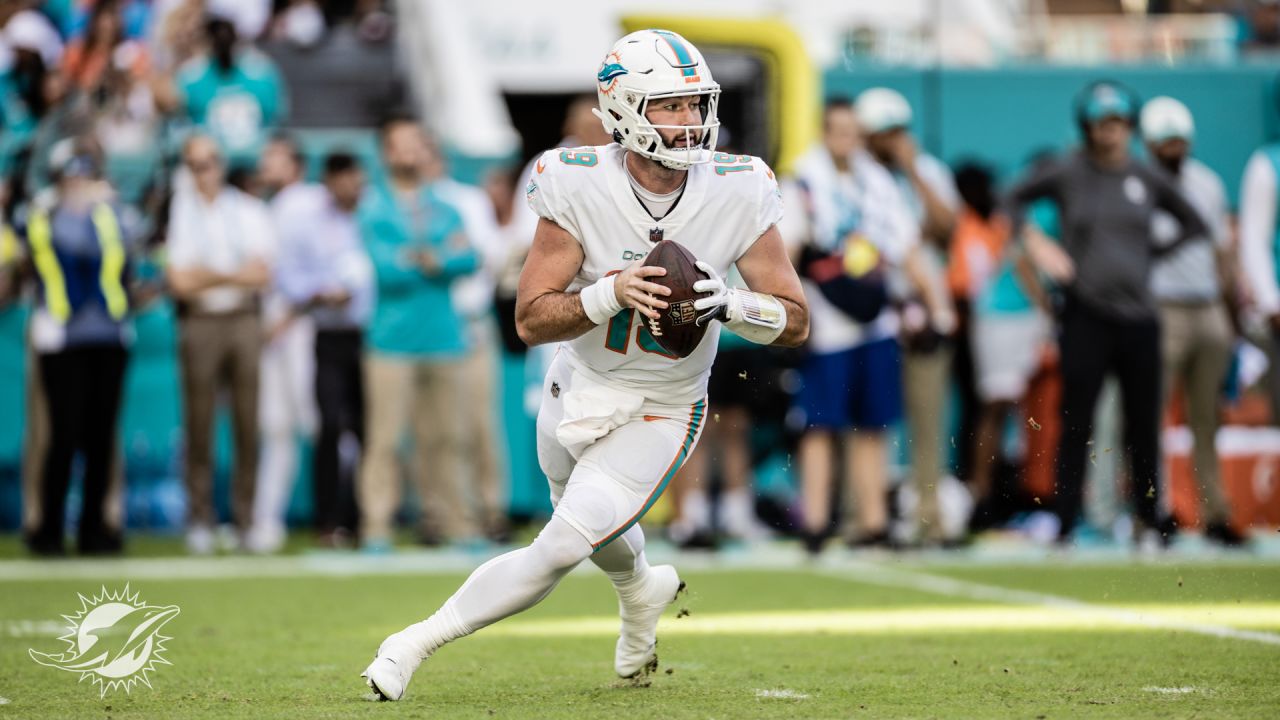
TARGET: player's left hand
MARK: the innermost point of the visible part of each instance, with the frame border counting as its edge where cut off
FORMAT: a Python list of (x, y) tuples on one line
[(714, 306)]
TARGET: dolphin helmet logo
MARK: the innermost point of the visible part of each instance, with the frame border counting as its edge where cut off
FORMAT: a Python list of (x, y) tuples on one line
[(114, 640), (610, 70)]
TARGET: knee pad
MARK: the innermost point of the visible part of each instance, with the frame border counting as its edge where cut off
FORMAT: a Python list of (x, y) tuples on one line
[(560, 545), (594, 507)]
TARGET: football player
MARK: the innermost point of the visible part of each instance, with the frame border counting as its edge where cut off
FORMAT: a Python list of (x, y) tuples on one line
[(619, 414)]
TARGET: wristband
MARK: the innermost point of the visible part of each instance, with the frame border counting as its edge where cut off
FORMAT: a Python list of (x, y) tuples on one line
[(754, 316), (600, 301)]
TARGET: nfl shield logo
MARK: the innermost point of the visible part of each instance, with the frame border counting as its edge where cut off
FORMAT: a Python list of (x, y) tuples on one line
[(682, 313)]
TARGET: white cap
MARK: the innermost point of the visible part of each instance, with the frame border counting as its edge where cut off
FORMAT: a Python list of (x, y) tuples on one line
[(1164, 118), (880, 109), (30, 30)]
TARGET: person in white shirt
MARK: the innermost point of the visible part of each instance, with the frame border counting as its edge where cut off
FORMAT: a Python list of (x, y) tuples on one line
[(929, 189), (286, 400), (324, 276), (219, 251), (1190, 284), (851, 380), (1259, 227)]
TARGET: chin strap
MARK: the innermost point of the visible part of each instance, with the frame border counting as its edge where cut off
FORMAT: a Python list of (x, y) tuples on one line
[(753, 316)]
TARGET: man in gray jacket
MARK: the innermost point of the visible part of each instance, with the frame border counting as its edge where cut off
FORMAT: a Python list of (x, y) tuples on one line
[(1109, 321)]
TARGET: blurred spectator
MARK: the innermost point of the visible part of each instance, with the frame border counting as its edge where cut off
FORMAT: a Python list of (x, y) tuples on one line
[(373, 20), (1259, 25), (112, 72), (417, 341), (929, 190), (1109, 321), (1190, 284), (26, 29), (300, 22), (852, 385), (219, 246), (80, 247), (94, 61), (473, 297), (135, 17), (1007, 330), (286, 400), (233, 92), (1259, 240), (249, 17), (29, 85), (323, 274), (176, 34)]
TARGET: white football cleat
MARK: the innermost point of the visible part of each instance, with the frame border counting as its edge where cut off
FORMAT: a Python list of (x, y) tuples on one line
[(392, 668), (637, 650)]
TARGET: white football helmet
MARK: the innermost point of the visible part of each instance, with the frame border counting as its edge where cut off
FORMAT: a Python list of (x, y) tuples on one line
[(648, 65)]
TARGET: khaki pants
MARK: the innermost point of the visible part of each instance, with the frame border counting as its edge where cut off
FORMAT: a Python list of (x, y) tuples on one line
[(218, 351), (925, 378), (1196, 346), (480, 439), (430, 395)]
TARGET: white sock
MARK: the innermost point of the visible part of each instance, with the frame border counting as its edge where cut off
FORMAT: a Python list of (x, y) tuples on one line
[(502, 587), (624, 562)]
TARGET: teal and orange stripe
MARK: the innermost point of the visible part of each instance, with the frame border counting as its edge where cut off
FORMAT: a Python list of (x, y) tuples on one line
[(682, 55), (696, 414)]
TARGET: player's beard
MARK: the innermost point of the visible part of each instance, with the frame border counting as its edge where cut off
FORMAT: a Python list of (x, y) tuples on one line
[(694, 139)]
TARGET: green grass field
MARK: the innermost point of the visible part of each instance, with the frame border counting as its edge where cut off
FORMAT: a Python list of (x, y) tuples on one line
[(765, 637)]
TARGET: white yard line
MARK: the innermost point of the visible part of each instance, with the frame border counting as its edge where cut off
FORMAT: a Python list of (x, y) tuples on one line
[(875, 574), (781, 695), (914, 620)]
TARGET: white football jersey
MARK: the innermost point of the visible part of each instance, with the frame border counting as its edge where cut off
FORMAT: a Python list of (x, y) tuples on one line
[(726, 206)]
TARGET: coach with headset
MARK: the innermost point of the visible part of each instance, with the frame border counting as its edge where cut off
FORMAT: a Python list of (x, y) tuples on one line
[(1109, 321)]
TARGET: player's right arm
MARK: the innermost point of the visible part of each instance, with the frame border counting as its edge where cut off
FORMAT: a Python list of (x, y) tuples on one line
[(546, 313)]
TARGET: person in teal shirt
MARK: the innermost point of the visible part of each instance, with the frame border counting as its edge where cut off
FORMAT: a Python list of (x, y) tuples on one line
[(235, 93), (416, 342)]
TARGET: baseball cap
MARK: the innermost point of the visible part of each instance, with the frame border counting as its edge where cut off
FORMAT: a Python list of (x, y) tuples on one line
[(29, 30), (67, 158), (1106, 100), (880, 109), (1164, 118)]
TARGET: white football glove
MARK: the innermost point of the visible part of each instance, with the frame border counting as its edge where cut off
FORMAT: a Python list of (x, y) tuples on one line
[(754, 316), (714, 306)]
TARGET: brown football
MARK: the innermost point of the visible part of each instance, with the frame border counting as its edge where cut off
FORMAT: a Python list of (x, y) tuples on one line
[(676, 329)]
